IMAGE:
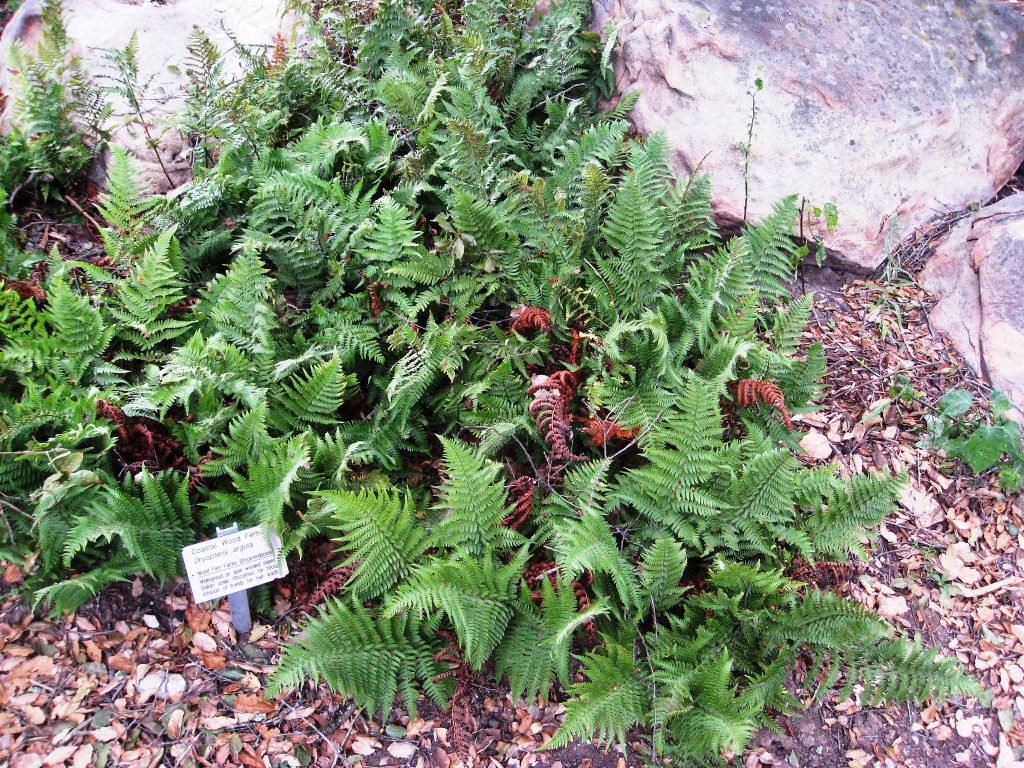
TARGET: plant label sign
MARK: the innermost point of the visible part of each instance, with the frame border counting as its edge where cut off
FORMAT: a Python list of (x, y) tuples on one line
[(233, 563)]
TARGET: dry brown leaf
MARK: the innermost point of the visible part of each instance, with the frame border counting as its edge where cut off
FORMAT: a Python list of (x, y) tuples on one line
[(250, 702), (402, 749), (121, 663), (816, 445), (922, 505), (892, 606), (174, 723), (954, 567), (364, 745), (214, 661), (83, 757), (204, 642), (59, 755), (218, 722)]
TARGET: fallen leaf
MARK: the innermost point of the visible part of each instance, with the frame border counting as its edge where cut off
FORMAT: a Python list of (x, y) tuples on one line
[(34, 715), (59, 755), (955, 568), (214, 661), (892, 606), (816, 445), (218, 722), (162, 685), (922, 505), (83, 757), (364, 745), (121, 663), (402, 749), (250, 702), (174, 723), (204, 642), (108, 733)]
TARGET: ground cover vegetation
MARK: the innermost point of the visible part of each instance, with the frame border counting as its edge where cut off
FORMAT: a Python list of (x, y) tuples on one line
[(423, 296)]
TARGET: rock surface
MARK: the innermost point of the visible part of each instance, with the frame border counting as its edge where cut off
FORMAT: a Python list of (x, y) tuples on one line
[(978, 274), (892, 111), (95, 26)]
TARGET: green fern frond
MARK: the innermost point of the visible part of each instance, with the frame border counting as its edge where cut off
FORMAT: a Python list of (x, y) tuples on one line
[(373, 660), (381, 536), (479, 596), (145, 297), (610, 702), (473, 500), (153, 521)]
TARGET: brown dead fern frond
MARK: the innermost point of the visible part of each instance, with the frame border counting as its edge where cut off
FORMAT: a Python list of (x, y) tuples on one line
[(751, 392), (526, 319), (601, 431), (522, 490)]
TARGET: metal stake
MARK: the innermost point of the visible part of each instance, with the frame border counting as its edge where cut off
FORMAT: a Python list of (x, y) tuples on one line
[(237, 601)]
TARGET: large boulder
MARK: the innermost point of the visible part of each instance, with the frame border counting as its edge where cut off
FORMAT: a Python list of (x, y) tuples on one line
[(977, 273), (163, 28), (893, 111)]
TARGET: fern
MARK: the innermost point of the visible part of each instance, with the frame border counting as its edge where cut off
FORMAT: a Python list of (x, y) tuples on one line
[(146, 295), (325, 332), (478, 597), (313, 398), (773, 252), (608, 703), (381, 536), (239, 305), (635, 231), (127, 210), (535, 650), (153, 522), (373, 660), (473, 502)]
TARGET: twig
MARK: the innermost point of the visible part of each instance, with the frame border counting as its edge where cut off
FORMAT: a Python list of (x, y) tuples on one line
[(10, 200), (74, 204), (1010, 581)]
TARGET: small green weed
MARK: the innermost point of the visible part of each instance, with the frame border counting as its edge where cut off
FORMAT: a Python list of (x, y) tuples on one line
[(983, 438)]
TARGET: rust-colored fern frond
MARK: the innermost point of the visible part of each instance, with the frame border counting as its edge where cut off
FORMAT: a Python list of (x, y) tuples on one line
[(373, 289), (196, 478), (522, 491), (751, 391), (600, 431), (331, 585), (142, 443), (531, 319), (568, 354), (550, 410), (823, 574), (24, 289), (279, 58), (534, 575), (579, 588), (182, 307)]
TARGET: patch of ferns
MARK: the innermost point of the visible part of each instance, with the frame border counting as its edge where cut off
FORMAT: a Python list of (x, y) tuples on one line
[(423, 297)]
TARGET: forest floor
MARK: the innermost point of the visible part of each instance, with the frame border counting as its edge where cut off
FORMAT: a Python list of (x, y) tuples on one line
[(141, 677)]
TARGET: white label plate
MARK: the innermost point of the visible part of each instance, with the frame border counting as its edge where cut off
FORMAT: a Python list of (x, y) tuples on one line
[(232, 563)]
